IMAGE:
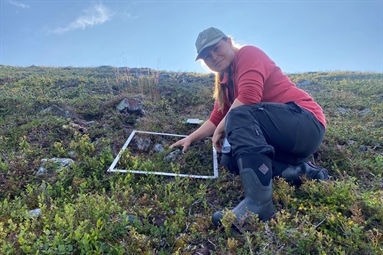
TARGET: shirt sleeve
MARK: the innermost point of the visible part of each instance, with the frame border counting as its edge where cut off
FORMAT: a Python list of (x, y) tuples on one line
[(216, 116), (252, 68)]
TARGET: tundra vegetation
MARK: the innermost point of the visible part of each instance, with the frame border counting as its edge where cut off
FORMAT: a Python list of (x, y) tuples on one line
[(51, 113)]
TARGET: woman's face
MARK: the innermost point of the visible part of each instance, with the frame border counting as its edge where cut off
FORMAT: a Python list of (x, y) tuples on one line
[(219, 56)]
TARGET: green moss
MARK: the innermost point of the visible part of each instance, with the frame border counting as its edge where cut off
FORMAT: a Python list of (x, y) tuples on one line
[(85, 210)]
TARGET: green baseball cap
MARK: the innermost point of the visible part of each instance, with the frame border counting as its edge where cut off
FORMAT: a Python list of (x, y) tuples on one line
[(206, 38)]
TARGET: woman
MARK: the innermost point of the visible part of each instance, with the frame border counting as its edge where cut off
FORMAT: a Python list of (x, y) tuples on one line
[(265, 118)]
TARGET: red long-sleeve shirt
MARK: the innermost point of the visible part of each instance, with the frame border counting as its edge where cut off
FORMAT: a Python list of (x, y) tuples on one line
[(257, 79)]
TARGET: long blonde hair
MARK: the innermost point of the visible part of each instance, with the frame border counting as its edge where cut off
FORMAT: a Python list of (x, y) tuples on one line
[(219, 92)]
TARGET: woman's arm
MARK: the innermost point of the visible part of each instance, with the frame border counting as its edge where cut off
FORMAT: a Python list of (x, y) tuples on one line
[(219, 132), (207, 129)]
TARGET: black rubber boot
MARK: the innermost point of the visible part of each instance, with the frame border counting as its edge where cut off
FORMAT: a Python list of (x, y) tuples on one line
[(293, 173), (256, 175)]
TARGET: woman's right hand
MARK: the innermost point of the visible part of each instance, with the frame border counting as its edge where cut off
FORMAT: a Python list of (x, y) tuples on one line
[(185, 143), (202, 132)]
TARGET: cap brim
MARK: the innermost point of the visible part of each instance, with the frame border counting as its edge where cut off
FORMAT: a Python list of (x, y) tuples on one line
[(206, 46)]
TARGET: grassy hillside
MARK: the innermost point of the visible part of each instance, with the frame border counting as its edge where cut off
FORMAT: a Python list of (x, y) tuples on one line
[(71, 113)]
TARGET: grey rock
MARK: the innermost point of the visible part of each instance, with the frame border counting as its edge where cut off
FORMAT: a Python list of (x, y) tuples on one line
[(342, 110), (58, 162), (364, 112), (143, 144), (172, 156), (57, 111), (72, 154), (130, 105), (122, 105), (91, 123), (158, 148), (35, 212)]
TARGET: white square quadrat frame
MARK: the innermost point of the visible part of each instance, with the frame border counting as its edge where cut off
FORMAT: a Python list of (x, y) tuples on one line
[(113, 165)]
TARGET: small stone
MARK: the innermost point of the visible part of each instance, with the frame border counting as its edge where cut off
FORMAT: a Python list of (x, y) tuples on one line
[(158, 148), (35, 212), (143, 144), (364, 112), (342, 110), (61, 162), (171, 156)]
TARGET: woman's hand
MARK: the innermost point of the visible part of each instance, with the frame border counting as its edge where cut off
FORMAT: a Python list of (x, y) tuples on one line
[(207, 129), (185, 143)]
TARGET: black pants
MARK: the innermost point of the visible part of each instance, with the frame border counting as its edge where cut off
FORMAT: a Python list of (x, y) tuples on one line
[(285, 132)]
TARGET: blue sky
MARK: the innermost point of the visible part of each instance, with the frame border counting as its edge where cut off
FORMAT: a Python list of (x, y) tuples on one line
[(300, 36)]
